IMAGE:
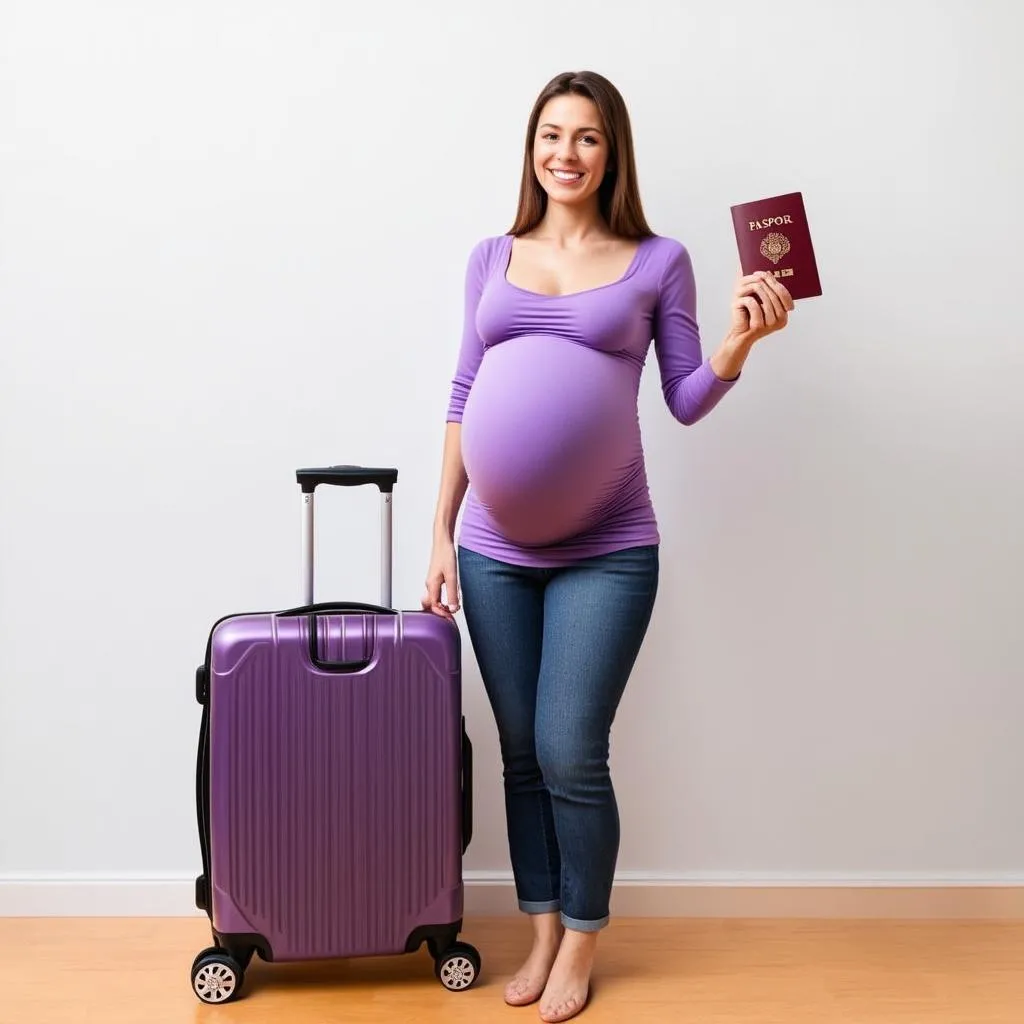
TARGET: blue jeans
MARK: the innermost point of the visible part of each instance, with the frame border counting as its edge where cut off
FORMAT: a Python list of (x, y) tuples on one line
[(555, 649)]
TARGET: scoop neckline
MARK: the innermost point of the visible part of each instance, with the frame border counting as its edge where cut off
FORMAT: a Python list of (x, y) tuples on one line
[(626, 274)]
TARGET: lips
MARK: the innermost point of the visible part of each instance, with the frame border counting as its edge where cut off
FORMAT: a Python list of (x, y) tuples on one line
[(568, 177)]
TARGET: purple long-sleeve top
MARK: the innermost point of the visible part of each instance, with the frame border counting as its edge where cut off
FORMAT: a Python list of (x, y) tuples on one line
[(546, 389)]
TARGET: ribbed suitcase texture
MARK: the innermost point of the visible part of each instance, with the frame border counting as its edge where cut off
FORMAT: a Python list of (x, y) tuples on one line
[(336, 796), (333, 778)]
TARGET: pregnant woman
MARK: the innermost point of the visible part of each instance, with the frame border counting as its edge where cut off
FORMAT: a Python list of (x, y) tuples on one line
[(558, 551)]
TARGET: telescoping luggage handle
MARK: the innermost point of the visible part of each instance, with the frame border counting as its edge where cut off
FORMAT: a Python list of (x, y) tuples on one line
[(384, 479)]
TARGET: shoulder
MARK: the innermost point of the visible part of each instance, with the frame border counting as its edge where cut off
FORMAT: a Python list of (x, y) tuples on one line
[(666, 264), (665, 252), (484, 254)]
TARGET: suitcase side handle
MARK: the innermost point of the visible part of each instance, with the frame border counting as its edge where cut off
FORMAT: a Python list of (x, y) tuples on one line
[(384, 480), (467, 788)]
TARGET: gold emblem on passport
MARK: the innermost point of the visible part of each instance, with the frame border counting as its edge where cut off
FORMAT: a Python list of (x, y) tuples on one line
[(774, 246)]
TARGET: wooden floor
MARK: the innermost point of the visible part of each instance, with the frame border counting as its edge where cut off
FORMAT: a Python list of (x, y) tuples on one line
[(132, 971)]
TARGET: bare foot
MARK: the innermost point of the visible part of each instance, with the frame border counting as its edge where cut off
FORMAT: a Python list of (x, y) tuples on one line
[(568, 987), (529, 981)]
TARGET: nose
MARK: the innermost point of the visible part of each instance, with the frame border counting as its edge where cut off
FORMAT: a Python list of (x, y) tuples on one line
[(567, 150)]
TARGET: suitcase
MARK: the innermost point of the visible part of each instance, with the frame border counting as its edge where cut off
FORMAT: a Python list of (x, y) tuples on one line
[(333, 779)]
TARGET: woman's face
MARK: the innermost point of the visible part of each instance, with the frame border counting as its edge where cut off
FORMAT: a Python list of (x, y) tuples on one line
[(570, 149)]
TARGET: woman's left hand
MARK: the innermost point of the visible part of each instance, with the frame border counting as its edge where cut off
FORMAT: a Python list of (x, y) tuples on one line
[(761, 305)]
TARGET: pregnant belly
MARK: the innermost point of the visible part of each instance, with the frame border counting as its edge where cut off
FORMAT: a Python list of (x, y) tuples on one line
[(549, 433)]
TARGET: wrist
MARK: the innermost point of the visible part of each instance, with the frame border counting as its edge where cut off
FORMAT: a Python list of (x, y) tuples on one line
[(736, 343), (728, 361)]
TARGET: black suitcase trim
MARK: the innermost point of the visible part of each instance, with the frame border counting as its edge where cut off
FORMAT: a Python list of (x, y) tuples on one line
[(438, 938), (241, 947)]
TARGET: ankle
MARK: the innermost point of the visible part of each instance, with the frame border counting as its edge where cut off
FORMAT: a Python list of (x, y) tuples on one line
[(574, 941), (547, 930), (549, 940)]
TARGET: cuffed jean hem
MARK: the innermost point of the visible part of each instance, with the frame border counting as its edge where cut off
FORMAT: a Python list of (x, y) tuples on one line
[(549, 907), (532, 907), (585, 926), (555, 649)]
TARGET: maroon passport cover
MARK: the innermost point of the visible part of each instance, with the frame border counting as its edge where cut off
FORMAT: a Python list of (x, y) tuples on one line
[(772, 234)]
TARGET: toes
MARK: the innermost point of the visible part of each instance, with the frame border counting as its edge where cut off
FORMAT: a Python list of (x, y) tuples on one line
[(518, 992), (563, 1010)]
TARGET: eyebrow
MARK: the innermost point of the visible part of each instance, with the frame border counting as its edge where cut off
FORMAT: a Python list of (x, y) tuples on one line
[(559, 128)]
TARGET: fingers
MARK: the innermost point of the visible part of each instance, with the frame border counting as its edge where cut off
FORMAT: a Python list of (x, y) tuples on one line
[(452, 591), (431, 594), (764, 296), (773, 298), (767, 295), (781, 291), (773, 309), (771, 285), (431, 600), (754, 313)]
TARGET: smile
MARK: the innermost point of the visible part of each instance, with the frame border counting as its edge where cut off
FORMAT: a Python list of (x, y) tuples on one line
[(568, 176)]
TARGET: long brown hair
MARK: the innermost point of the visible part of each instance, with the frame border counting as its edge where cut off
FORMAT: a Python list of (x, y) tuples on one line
[(619, 194)]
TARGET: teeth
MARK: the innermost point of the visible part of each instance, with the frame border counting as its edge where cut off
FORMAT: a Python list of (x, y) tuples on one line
[(568, 175)]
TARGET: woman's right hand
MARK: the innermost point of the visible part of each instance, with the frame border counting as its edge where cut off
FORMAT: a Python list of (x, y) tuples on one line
[(443, 573)]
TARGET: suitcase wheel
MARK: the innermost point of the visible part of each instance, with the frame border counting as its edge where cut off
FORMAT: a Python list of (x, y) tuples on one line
[(458, 967), (216, 976)]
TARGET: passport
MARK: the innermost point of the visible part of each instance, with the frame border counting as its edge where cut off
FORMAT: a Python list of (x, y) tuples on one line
[(772, 234)]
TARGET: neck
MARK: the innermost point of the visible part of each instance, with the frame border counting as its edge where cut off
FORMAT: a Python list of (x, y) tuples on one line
[(570, 225)]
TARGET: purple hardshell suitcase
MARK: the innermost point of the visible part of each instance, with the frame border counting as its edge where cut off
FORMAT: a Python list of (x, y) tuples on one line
[(334, 779)]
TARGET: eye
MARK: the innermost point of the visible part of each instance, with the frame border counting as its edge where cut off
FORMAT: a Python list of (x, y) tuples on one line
[(549, 136), (590, 140)]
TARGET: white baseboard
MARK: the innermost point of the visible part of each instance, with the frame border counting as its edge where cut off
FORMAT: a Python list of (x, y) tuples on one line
[(636, 894)]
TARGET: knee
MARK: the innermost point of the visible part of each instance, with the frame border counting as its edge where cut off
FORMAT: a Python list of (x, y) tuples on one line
[(519, 756), (570, 765)]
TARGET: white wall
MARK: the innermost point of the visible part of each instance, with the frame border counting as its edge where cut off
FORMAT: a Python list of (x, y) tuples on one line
[(232, 241)]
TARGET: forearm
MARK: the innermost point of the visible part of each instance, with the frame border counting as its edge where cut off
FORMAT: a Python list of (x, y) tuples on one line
[(728, 360), (454, 484)]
